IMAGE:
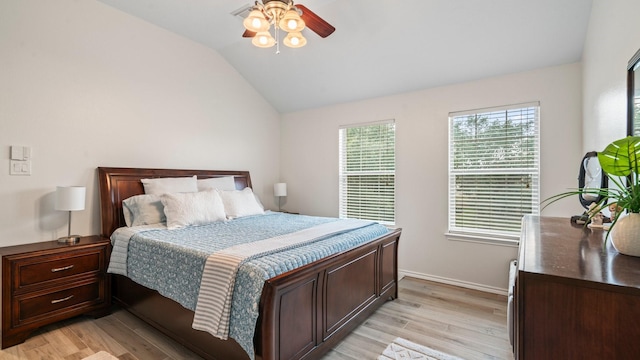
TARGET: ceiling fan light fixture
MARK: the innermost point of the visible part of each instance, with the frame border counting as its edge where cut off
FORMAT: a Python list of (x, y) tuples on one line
[(282, 14), (256, 21), (295, 40), (291, 21), (263, 39)]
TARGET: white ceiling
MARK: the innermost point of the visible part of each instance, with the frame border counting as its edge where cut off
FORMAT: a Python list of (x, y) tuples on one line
[(382, 47)]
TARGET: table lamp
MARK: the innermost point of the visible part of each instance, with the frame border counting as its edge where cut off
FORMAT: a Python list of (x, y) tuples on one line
[(279, 190), (70, 198)]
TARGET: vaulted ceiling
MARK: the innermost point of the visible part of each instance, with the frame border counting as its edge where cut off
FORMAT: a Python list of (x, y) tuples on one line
[(382, 47)]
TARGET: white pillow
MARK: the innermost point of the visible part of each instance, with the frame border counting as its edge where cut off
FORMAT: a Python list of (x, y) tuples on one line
[(143, 210), (220, 183), (170, 185), (258, 200), (239, 203), (195, 208)]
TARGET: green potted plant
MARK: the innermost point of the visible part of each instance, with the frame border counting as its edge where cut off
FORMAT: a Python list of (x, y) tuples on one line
[(619, 161)]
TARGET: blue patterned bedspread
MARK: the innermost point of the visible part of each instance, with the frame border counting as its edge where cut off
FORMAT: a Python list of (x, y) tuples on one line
[(172, 261)]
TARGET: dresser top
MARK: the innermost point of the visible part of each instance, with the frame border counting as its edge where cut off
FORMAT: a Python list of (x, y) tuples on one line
[(555, 247), (52, 245)]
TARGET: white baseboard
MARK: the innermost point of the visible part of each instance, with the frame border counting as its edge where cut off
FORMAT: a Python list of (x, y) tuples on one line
[(454, 282)]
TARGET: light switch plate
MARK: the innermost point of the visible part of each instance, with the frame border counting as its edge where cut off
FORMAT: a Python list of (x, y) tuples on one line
[(17, 167), (20, 153)]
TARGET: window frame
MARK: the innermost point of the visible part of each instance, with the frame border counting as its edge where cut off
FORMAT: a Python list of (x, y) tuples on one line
[(343, 173), (477, 234)]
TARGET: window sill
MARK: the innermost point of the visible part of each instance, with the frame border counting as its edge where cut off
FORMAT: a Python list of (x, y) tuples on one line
[(483, 239)]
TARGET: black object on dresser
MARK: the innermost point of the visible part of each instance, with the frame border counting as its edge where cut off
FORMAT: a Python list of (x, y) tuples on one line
[(46, 282), (574, 297)]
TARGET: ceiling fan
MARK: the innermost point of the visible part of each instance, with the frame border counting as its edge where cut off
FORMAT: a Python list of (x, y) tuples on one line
[(282, 14)]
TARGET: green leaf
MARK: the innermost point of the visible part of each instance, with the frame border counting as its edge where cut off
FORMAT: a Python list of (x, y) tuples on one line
[(620, 158)]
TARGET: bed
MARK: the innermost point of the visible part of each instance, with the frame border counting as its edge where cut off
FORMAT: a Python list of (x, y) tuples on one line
[(303, 312)]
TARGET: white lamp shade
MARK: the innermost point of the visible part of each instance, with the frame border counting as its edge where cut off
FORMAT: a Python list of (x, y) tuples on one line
[(280, 189), (70, 198)]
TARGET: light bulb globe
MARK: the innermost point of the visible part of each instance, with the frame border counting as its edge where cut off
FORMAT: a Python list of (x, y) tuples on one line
[(263, 39), (295, 40), (291, 21)]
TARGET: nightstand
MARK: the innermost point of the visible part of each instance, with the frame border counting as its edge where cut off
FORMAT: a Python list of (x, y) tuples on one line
[(46, 282)]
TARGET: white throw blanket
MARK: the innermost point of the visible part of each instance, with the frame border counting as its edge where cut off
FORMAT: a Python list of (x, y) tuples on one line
[(218, 278), (120, 240)]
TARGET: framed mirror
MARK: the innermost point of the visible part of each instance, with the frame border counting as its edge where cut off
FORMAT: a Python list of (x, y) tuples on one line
[(633, 95), (591, 176)]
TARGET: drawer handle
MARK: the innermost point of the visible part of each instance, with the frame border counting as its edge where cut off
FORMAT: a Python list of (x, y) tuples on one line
[(62, 268), (61, 300)]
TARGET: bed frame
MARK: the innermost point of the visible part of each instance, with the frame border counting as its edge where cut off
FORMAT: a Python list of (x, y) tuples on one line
[(303, 313)]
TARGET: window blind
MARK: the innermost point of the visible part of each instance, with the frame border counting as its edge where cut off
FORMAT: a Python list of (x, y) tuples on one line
[(367, 172), (494, 169)]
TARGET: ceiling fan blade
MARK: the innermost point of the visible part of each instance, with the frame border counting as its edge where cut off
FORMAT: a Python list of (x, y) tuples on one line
[(315, 22), (248, 34)]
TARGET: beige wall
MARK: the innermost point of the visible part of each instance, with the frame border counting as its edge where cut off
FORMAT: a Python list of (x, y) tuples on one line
[(86, 85), (309, 162), (612, 39)]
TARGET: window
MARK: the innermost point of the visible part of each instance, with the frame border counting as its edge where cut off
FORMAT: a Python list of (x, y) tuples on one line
[(493, 170), (367, 172)]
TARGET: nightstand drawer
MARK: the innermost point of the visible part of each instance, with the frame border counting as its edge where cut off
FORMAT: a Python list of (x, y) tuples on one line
[(32, 271), (33, 308)]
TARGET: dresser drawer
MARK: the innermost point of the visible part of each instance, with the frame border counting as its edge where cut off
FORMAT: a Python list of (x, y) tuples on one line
[(34, 271), (42, 305)]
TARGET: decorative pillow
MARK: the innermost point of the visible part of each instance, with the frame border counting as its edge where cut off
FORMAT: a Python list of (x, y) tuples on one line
[(143, 210), (258, 200), (238, 203), (221, 183), (194, 208), (161, 186)]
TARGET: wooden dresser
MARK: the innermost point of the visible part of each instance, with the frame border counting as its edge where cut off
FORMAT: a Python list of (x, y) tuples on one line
[(574, 298), (46, 282)]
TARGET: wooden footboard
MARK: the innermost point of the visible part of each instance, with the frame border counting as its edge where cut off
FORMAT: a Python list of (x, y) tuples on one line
[(305, 312)]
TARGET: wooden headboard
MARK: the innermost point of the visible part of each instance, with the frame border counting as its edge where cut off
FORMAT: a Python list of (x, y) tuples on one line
[(117, 184)]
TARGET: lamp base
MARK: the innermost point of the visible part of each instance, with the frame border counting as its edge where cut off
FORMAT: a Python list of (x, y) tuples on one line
[(71, 239)]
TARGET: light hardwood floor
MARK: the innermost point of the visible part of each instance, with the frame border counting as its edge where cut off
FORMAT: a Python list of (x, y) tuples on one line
[(466, 323)]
